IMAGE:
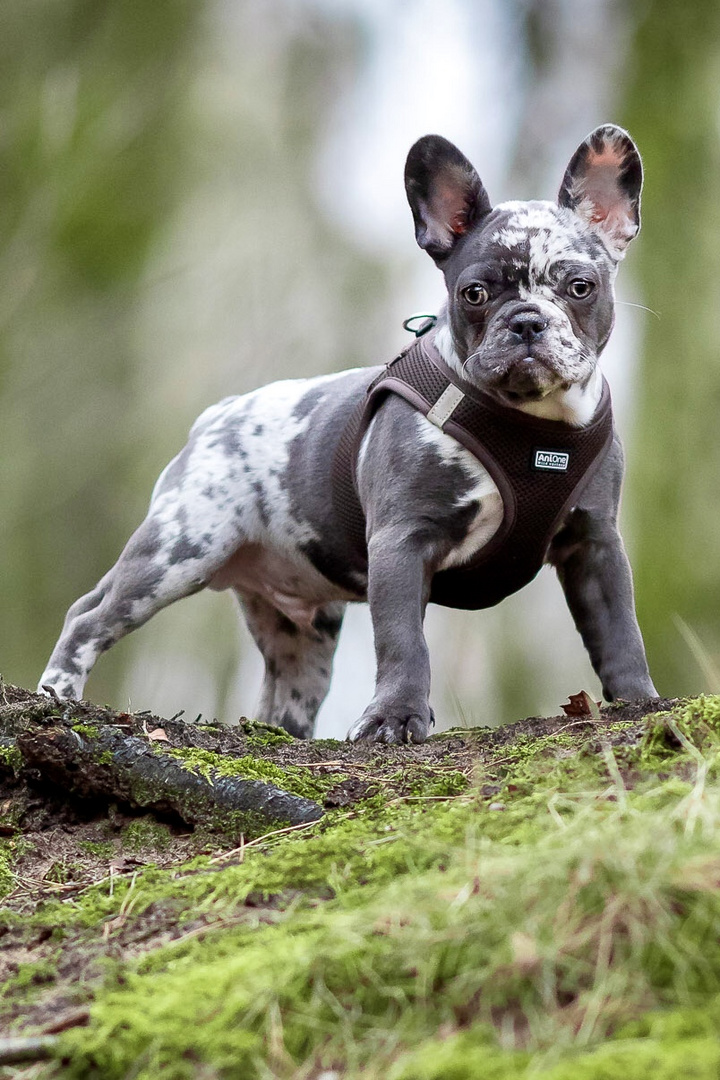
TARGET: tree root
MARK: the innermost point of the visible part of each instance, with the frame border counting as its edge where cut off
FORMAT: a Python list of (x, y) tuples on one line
[(122, 762)]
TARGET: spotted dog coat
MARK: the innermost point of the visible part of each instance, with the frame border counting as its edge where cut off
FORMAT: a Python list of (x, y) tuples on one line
[(246, 504)]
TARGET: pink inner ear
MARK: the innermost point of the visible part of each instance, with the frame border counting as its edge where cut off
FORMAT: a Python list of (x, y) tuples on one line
[(459, 223), (601, 186), (449, 202), (602, 201), (607, 156)]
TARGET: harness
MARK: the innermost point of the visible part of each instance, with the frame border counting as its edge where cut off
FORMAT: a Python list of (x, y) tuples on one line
[(540, 468)]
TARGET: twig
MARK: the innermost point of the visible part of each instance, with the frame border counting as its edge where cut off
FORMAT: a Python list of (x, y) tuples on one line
[(128, 903), (577, 723), (33, 1048), (261, 840), (349, 765), (615, 774), (72, 1018), (469, 795), (220, 924)]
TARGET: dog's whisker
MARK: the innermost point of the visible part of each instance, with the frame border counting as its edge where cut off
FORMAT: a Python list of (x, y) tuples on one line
[(642, 307)]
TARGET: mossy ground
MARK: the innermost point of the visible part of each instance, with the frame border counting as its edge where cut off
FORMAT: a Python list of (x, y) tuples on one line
[(538, 901)]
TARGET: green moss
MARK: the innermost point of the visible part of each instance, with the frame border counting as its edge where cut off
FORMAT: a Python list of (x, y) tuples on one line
[(63, 871), (696, 723), (28, 977), (90, 731), (105, 758), (296, 780), (6, 860), (99, 849), (453, 926), (326, 744), (429, 938), (473, 733), (10, 757), (145, 833), (429, 781), (692, 1054), (260, 736), (11, 851)]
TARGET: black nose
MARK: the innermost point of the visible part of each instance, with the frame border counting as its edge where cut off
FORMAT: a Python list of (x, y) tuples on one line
[(527, 325)]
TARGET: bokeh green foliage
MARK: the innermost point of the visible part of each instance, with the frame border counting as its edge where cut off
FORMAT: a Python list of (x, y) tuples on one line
[(90, 136), (674, 479)]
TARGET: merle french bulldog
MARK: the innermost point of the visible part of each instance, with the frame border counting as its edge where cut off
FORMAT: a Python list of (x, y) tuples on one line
[(450, 504)]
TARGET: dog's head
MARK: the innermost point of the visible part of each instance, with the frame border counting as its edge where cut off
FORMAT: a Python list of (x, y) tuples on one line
[(530, 284)]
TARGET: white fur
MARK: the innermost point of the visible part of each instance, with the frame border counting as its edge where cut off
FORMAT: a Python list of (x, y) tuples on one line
[(484, 491)]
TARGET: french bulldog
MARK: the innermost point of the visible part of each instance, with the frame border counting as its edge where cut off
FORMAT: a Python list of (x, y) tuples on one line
[(249, 504)]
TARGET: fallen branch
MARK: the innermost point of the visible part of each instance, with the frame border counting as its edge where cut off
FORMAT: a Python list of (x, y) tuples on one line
[(119, 766)]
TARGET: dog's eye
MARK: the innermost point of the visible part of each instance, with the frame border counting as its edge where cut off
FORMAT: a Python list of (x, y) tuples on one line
[(475, 294), (580, 288)]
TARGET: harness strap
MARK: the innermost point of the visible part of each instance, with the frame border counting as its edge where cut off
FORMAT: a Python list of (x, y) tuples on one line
[(539, 466)]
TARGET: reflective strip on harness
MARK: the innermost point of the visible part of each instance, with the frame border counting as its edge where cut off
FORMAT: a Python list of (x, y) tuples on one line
[(445, 405)]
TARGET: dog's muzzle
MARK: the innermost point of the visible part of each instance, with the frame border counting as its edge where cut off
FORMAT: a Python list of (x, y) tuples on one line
[(517, 358)]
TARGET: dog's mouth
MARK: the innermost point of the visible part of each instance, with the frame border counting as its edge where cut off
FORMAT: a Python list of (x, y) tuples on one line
[(526, 379), (524, 375)]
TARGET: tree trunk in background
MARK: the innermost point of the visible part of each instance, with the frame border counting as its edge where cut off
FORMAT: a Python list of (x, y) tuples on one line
[(673, 102)]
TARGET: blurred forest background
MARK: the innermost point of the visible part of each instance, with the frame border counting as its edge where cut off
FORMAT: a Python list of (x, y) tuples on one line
[(200, 196)]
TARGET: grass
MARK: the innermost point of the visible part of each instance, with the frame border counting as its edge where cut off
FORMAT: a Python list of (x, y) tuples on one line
[(565, 927), (546, 949)]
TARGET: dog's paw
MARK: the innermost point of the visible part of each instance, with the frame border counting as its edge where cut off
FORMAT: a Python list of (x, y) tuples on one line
[(373, 726), (56, 690)]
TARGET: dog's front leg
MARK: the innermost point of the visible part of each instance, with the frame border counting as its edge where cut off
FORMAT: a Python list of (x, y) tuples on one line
[(398, 590), (595, 575)]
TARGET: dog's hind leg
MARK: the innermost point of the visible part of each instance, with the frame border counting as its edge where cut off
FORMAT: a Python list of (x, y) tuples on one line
[(159, 565), (298, 662)]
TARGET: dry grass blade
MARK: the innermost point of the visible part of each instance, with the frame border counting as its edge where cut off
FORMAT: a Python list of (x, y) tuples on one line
[(261, 840), (700, 654)]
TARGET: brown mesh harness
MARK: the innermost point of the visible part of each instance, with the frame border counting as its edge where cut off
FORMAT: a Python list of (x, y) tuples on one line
[(539, 466)]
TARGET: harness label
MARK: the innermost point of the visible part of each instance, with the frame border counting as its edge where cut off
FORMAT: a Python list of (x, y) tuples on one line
[(552, 460)]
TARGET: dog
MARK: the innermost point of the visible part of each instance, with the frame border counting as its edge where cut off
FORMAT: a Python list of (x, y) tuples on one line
[(250, 504)]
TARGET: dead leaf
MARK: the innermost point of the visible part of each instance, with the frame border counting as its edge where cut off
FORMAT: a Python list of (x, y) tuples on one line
[(581, 705), (122, 863), (158, 735)]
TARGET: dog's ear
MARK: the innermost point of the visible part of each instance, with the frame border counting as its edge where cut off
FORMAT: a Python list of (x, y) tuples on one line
[(445, 193), (602, 184)]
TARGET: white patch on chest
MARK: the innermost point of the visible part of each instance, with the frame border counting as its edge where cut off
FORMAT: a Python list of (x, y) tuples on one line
[(575, 406), (484, 491)]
